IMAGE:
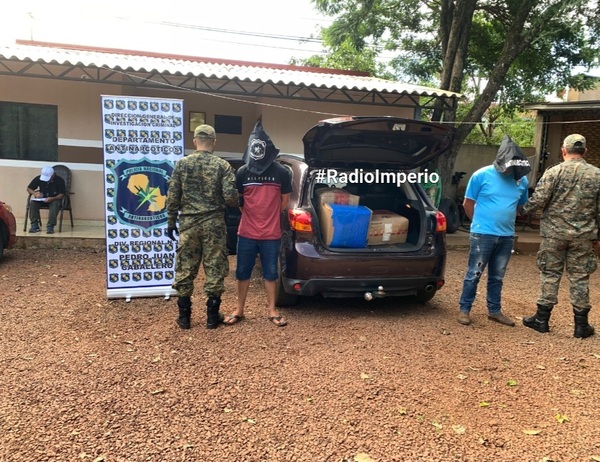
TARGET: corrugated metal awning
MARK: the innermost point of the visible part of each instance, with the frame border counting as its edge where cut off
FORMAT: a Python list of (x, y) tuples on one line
[(209, 75)]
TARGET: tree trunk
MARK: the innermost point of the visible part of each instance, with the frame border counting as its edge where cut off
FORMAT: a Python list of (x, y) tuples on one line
[(455, 30), (515, 44)]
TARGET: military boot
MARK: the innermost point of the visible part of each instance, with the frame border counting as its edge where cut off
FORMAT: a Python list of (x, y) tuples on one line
[(213, 317), (185, 312), (539, 321), (582, 328)]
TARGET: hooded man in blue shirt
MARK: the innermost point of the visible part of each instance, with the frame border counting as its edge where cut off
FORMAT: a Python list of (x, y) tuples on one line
[(491, 200)]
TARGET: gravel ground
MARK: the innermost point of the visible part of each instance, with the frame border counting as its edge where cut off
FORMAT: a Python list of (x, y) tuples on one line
[(90, 379)]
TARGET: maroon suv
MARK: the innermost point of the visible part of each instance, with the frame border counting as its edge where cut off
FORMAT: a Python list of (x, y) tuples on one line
[(368, 166), (8, 228)]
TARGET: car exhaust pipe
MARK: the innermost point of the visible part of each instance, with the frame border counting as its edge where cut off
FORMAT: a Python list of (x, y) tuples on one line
[(379, 293), (429, 288)]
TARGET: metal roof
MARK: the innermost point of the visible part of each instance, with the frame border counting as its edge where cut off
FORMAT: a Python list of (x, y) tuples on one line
[(123, 67), (563, 106)]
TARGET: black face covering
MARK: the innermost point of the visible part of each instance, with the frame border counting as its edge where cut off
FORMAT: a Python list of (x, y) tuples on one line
[(260, 152), (511, 160)]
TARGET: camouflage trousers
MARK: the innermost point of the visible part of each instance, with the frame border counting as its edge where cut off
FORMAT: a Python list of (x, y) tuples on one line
[(203, 243), (580, 261)]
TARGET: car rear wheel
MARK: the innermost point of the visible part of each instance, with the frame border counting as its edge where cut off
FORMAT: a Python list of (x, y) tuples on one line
[(282, 298), (450, 210), (424, 296)]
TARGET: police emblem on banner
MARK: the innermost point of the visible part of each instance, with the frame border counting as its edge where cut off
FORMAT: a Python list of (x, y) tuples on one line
[(141, 192)]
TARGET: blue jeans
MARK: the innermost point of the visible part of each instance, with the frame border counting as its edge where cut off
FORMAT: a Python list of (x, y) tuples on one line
[(247, 249), (493, 252)]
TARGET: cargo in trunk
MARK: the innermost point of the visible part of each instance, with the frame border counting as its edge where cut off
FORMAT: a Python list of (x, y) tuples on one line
[(345, 225), (387, 228)]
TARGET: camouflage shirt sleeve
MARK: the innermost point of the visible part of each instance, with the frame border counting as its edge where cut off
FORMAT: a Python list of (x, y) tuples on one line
[(173, 197), (598, 215), (542, 193), (230, 192), (201, 187), (568, 194)]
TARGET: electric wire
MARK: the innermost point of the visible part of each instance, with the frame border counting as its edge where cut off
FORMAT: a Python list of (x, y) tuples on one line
[(333, 114)]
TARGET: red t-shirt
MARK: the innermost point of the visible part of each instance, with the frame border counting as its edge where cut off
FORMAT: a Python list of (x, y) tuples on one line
[(261, 210)]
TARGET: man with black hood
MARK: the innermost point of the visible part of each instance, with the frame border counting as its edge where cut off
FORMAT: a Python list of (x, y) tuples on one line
[(491, 200), (264, 186)]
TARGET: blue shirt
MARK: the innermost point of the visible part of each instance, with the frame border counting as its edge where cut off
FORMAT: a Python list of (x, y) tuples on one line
[(496, 198)]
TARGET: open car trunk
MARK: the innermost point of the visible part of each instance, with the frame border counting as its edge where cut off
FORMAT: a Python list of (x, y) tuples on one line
[(398, 210)]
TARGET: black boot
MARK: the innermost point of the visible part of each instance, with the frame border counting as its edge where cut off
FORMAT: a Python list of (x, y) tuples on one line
[(213, 317), (582, 328), (539, 321), (185, 312)]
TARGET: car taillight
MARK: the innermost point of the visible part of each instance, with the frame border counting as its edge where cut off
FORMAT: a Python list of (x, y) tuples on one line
[(440, 222), (300, 220)]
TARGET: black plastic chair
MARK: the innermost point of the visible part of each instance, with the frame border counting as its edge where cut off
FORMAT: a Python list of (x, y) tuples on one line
[(65, 204)]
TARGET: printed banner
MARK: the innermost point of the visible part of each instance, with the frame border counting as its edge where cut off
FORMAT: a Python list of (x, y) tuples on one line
[(142, 140)]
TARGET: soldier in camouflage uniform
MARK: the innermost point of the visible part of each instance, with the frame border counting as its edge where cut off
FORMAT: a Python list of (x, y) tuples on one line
[(201, 187), (569, 194)]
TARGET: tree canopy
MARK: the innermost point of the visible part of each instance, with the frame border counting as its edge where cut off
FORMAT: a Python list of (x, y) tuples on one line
[(501, 52)]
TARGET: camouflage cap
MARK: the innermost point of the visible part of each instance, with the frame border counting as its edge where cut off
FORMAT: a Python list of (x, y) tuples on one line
[(574, 141), (205, 131)]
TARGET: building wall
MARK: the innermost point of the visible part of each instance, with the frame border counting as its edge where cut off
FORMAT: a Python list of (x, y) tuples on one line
[(588, 125), (471, 157), (88, 180), (80, 130), (588, 95), (278, 121), (560, 125), (87, 186), (80, 124)]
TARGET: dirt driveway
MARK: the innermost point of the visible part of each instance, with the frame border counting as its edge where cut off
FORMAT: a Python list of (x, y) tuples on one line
[(88, 379)]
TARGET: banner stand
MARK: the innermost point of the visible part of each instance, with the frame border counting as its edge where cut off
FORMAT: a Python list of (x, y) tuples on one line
[(143, 138)]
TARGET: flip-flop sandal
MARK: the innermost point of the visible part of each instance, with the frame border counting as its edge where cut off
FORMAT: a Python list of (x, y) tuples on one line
[(232, 319), (279, 321)]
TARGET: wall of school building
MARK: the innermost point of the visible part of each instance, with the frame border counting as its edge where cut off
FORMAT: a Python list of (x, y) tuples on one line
[(80, 132)]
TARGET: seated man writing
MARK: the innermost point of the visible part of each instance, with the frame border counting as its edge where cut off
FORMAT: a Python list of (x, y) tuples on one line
[(47, 188)]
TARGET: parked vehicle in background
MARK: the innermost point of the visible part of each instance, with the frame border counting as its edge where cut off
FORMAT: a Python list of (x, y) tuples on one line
[(8, 228), (381, 152)]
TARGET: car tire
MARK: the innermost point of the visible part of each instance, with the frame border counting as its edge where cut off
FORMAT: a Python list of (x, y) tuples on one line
[(424, 297), (450, 210), (282, 298), (3, 238)]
